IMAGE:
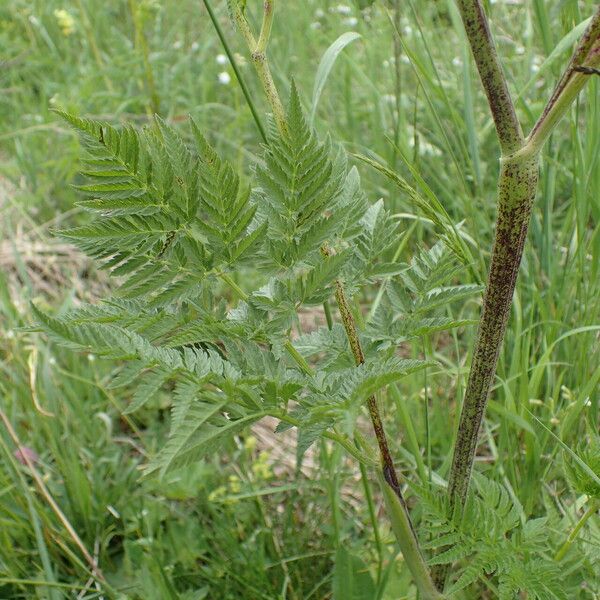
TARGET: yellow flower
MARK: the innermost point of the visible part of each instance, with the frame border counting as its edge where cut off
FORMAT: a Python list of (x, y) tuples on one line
[(250, 443), (234, 484), (66, 22), (217, 493), (261, 468)]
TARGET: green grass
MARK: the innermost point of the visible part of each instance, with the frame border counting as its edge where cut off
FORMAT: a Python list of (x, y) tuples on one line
[(192, 537)]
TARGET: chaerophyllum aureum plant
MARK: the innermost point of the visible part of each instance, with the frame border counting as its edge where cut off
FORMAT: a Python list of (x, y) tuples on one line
[(214, 268)]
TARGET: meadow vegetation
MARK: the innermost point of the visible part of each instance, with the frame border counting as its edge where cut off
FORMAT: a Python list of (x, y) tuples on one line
[(95, 501)]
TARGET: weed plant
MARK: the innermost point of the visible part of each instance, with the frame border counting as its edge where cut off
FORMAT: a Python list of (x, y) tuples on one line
[(218, 264)]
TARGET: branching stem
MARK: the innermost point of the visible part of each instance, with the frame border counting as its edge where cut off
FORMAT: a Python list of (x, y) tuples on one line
[(517, 187), (258, 55), (492, 76)]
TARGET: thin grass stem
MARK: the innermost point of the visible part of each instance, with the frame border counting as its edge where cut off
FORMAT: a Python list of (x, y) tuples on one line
[(236, 70)]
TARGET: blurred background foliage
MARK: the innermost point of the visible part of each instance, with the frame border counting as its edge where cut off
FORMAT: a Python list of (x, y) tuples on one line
[(245, 524)]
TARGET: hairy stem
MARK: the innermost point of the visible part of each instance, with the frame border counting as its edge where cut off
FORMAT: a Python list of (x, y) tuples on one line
[(517, 187), (491, 74), (396, 505), (516, 192), (258, 55)]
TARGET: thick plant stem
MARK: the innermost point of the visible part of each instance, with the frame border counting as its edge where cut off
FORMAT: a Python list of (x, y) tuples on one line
[(516, 192), (492, 76), (394, 499), (402, 528)]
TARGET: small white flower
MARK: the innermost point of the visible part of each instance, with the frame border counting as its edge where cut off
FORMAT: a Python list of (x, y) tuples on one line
[(52, 360), (457, 62), (520, 50), (240, 60), (407, 30), (343, 9), (319, 13), (315, 25), (350, 21), (178, 45), (224, 77), (91, 357), (10, 334), (221, 59), (194, 47)]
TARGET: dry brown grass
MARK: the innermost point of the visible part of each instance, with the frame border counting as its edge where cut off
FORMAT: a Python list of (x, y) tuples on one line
[(37, 264)]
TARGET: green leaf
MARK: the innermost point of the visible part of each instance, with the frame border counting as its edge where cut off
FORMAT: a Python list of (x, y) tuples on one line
[(308, 435), (358, 383), (147, 389), (200, 430), (351, 577), (301, 180), (325, 66)]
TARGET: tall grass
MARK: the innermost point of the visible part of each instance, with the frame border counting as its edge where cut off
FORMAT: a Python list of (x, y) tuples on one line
[(426, 112)]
